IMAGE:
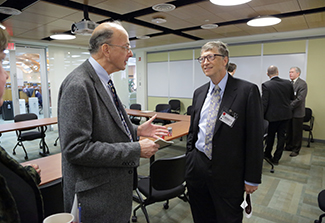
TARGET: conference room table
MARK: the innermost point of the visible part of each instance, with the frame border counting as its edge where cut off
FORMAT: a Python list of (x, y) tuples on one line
[(42, 123), (51, 165)]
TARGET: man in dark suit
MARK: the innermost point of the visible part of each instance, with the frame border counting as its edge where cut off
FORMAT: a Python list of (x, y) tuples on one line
[(295, 131), (225, 141), (99, 143), (277, 95)]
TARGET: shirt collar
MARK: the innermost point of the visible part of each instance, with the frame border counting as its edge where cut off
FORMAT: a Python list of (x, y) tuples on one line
[(221, 84), (100, 71), (294, 81)]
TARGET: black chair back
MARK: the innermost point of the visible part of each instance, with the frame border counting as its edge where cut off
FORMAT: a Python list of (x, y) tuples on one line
[(167, 173), (175, 105), (163, 108), (135, 106), (308, 114), (189, 110), (52, 197), (309, 125)]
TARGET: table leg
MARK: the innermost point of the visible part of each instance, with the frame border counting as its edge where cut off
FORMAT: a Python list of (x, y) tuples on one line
[(45, 148)]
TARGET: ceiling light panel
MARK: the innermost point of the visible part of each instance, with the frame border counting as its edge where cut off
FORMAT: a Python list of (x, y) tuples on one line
[(264, 21), (229, 2)]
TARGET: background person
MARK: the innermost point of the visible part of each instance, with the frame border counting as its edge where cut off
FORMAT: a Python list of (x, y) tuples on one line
[(225, 141), (295, 131), (99, 144), (20, 198), (232, 68), (277, 95)]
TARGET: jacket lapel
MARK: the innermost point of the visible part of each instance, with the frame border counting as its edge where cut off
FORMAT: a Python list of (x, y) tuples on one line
[(227, 99), (105, 97)]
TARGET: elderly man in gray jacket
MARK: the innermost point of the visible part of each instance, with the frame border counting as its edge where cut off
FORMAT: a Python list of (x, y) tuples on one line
[(99, 144), (295, 131)]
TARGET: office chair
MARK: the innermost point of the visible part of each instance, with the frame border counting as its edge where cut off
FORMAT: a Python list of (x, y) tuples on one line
[(52, 197), (175, 106), (27, 134), (321, 204), (162, 108), (165, 181), (135, 120), (189, 110), (266, 125), (309, 127)]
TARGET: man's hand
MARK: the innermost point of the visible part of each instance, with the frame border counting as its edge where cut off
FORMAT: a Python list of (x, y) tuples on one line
[(147, 129), (250, 189), (148, 148)]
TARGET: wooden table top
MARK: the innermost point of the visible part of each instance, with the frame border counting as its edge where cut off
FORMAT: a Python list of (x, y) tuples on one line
[(50, 167), (27, 124)]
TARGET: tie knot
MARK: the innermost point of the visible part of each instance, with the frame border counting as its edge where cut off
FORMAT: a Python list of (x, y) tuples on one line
[(216, 90)]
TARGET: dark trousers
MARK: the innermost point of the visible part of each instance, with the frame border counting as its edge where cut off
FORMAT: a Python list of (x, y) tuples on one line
[(207, 204), (278, 128), (294, 134)]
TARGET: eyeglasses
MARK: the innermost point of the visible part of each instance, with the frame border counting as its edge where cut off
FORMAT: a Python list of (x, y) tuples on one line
[(210, 57), (127, 48)]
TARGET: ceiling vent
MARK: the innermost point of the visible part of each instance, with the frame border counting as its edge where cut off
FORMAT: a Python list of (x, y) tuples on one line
[(9, 11), (163, 7)]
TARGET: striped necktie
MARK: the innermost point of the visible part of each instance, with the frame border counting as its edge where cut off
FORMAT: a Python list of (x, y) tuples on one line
[(117, 105), (211, 120)]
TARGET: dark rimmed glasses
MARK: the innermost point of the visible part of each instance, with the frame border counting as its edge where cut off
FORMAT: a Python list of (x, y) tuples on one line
[(210, 57)]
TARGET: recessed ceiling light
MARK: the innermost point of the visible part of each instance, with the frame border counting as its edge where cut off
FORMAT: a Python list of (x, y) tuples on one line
[(159, 20), (229, 2), (143, 37), (62, 36), (209, 26), (9, 11), (163, 7), (264, 21)]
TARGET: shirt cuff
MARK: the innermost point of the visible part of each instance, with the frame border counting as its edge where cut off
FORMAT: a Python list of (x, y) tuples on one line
[(251, 184)]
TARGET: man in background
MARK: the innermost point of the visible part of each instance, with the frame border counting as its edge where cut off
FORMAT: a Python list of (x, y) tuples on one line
[(225, 141), (100, 147), (277, 95), (232, 68), (295, 131)]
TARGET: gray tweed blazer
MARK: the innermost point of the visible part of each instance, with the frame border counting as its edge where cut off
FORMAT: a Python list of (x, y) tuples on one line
[(98, 159)]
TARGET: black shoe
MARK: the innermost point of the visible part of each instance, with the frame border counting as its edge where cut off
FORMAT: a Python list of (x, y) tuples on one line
[(293, 154)]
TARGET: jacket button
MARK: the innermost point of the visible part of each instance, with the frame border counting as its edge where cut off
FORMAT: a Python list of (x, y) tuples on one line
[(130, 171)]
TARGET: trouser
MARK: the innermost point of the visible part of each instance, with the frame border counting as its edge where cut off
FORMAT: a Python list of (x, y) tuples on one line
[(294, 134), (207, 204), (279, 128)]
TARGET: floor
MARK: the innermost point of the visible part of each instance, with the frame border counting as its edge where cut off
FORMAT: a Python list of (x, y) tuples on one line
[(287, 195)]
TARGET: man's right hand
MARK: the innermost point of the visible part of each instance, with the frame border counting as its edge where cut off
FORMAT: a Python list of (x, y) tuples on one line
[(148, 148)]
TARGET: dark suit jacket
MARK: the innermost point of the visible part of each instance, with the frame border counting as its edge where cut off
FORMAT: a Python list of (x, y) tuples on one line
[(298, 104), (98, 159), (277, 95), (237, 152)]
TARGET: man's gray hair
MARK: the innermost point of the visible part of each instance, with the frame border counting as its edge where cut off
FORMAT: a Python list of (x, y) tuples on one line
[(297, 69), (100, 37), (220, 46)]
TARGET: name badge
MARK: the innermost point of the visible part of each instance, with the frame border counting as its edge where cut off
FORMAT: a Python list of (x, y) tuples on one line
[(227, 119)]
